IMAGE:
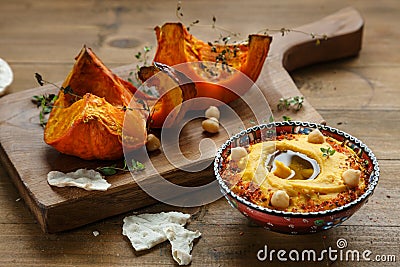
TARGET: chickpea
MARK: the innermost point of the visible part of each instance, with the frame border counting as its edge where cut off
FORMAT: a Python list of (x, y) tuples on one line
[(351, 177), (280, 199), (153, 143), (212, 112), (238, 152), (315, 137), (210, 125)]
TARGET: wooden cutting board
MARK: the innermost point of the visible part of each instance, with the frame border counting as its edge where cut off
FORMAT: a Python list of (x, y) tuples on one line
[(28, 159)]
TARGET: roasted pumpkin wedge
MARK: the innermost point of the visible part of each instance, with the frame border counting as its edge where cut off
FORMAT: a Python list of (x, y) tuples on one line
[(90, 75), (174, 88), (238, 66), (87, 119), (90, 128), (97, 114)]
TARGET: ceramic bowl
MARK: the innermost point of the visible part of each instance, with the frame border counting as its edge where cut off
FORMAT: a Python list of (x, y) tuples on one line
[(294, 222)]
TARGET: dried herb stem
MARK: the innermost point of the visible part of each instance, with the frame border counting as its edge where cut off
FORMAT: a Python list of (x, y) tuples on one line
[(67, 90), (135, 166), (213, 25), (284, 31), (142, 58)]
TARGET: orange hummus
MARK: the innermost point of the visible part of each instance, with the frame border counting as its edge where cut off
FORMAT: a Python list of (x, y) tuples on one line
[(253, 177)]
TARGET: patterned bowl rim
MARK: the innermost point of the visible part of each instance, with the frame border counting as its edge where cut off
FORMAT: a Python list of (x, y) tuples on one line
[(373, 179)]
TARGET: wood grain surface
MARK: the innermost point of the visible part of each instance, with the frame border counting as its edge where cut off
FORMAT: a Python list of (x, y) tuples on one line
[(359, 95), (59, 209)]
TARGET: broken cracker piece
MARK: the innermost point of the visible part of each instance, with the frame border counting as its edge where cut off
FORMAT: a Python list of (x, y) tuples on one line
[(82, 178), (146, 230), (182, 242)]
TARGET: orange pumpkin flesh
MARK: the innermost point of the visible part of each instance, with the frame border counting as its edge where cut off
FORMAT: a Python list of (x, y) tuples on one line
[(246, 59), (102, 112), (90, 75), (91, 127), (174, 88)]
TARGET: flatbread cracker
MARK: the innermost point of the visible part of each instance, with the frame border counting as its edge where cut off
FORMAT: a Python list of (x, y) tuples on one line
[(147, 230), (181, 241), (82, 178)]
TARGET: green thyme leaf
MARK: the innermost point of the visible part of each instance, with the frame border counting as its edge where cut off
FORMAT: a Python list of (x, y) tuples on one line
[(286, 118), (107, 171), (45, 104), (137, 165), (295, 102), (113, 169), (327, 152), (143, 60)]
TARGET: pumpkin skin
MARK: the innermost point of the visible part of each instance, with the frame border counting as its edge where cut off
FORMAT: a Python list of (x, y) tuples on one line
[(247, 61), (90, 126), (90, 75)]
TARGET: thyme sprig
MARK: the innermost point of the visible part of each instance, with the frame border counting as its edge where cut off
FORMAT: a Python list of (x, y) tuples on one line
[(134, 166), (67, 90), (228, 34), (125, 108), (295, 102), (224, 55), (143, 59), (285, 31), (45, 103), (213, 25), (327, 152)]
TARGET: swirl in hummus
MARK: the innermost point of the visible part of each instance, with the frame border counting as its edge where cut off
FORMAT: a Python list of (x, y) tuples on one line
[(340, 180)]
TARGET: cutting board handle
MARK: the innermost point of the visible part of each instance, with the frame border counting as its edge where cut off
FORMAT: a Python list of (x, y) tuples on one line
[(343, 29), (294, 50)]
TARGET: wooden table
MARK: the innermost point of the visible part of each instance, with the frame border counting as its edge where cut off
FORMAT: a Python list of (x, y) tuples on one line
[(358, 95)]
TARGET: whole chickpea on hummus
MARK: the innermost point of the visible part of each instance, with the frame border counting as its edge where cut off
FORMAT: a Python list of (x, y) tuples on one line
[(297, 173)]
